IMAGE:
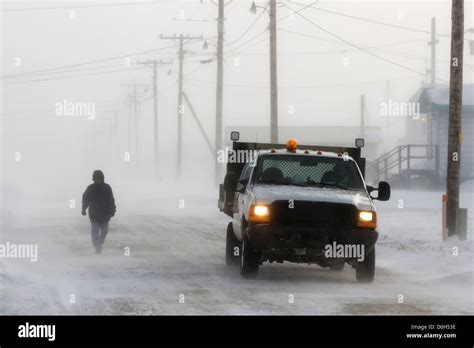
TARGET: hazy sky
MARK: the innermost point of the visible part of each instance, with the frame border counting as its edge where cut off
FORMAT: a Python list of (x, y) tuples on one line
[(321, 72)]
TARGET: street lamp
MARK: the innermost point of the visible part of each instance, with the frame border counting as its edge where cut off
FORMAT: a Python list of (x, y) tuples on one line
[(253, 8)]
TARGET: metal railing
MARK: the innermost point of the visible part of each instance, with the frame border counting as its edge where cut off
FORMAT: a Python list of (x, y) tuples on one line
[(402, 159)]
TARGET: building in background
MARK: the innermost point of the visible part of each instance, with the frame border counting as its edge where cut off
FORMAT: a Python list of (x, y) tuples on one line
[(432, 129)]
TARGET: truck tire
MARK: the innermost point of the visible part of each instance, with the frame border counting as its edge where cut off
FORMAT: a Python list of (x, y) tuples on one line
[(249, 259), (231, 243), (365, 271)]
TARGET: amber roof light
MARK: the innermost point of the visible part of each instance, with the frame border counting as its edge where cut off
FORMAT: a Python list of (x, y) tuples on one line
[(292, 145)]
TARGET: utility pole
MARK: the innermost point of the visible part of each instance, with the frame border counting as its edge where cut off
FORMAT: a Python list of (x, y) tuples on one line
[(135, 98), (130, 117), (455, 113), (155, 115), (273, 67), (180, 98), (362, 116), (273, 73), (387, 118), (155, 63), (220, 87), (133, 109), (117, 134), (201, 128), (433, 43), (181, 54), (180, 105)]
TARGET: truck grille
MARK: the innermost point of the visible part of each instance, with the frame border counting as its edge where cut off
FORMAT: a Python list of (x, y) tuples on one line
[(314, 214)]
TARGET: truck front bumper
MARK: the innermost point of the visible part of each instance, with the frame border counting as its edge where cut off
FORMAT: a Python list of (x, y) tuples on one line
[(270, 239)]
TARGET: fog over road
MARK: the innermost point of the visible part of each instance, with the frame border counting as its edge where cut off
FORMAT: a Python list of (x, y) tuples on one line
[(177, 255)]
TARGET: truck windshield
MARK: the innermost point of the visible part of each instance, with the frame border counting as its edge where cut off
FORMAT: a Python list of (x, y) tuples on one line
[(304, 170)]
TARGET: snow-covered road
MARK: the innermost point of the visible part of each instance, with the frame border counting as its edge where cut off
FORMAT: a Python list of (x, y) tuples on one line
[(176, 264)]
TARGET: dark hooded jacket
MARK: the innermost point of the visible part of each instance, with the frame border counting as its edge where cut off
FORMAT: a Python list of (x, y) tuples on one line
[(99, 198)]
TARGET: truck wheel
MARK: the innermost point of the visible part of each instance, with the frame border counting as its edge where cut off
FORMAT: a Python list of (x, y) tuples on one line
[(249, 259), (231, 259), (365, 271)]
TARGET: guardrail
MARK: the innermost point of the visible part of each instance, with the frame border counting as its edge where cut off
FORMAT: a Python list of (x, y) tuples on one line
[(401, 159)]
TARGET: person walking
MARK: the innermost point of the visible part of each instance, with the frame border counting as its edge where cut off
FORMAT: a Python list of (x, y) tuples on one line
[(99, 199)]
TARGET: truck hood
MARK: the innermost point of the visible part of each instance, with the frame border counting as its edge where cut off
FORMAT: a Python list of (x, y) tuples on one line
[(267, 194)]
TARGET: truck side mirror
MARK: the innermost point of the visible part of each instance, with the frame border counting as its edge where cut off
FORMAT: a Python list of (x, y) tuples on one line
[(384, 191), (230, 182)]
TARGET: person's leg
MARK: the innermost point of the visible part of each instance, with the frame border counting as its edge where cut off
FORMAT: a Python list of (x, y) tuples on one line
[(95, 228), (104, 229)]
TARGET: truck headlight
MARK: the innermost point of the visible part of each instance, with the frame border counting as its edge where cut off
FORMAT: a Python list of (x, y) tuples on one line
[(259, 213), (367, 219)]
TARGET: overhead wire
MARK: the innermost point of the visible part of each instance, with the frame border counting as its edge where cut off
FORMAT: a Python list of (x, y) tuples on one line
[(80, 6), (361, 48)]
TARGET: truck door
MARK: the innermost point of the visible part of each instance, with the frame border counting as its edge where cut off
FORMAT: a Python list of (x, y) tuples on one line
[(240, 200)]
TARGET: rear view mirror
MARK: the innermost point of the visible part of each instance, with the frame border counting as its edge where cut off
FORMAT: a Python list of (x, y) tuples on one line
[(384, 191)]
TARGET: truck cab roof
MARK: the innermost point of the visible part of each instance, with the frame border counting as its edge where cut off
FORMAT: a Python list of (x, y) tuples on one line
[(303, 152)]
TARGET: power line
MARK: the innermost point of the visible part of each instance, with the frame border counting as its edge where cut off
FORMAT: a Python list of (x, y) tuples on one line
[(72, 76), (248, 47), (249, 28), (65, 71), (86, 63), (26, 74), (376, 22), (339, 43), (298, 11), (231, 51), (374, 48), (361, 48), (247, 42), (308, 86), (260, 16), (50, 71), (211, 56), (193, 71), (80, 6)]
